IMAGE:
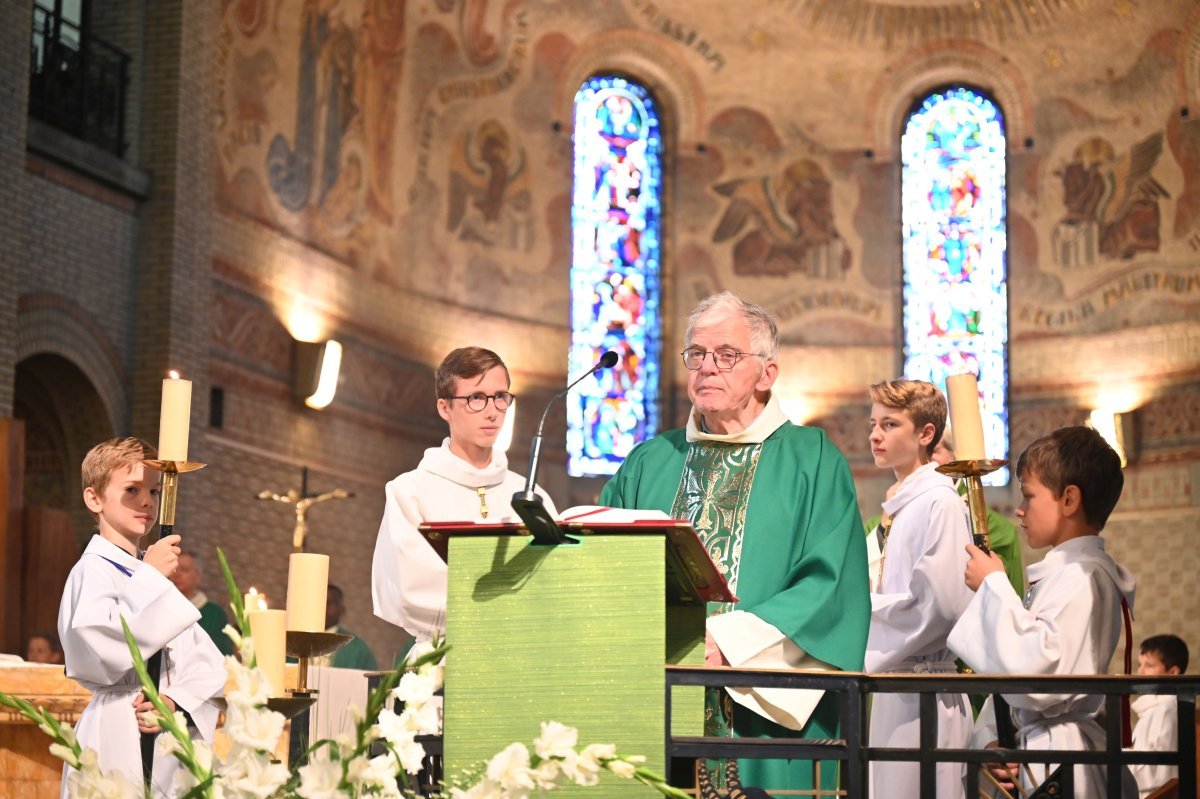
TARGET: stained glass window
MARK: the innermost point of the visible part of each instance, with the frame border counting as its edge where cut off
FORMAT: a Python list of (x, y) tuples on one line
[(955, 282), (616, 236)]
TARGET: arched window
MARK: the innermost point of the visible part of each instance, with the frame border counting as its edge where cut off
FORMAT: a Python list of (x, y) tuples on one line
[(955, 242), (615, 284)]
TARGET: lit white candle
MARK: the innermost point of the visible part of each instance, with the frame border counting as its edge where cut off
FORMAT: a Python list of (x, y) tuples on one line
[(965, 417), (268, 628), (252, 600), (308, 584), (174, 419)]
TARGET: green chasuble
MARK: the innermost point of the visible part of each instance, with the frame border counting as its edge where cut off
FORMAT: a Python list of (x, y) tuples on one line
[(213, 621), (780, 517), (354, 655)]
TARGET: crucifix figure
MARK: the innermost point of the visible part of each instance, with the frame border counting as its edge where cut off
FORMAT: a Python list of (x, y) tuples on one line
[(302, 501)]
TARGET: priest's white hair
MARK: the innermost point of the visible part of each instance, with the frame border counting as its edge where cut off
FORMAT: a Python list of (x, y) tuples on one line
[(764, 332)]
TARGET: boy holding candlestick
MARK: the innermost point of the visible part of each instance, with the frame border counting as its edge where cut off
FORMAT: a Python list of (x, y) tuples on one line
[(464, 480), (111, 581), (915, 600), (1070, 618)]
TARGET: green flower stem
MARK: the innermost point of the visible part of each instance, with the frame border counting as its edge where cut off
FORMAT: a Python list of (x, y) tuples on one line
[(236, 602), (41, 717), (166, 718)]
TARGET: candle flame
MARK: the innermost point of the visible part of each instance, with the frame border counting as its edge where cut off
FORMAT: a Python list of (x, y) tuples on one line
[(255, 600), (174, 375)]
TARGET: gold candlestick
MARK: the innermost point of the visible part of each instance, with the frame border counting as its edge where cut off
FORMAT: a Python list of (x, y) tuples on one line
[(170, 490), (973, 471)]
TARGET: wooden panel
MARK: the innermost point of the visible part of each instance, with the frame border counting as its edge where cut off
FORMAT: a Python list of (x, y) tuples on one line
[(50, 551), (12, 498)]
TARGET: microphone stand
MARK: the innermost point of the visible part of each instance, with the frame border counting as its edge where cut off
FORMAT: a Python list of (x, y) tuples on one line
[(527, 504)]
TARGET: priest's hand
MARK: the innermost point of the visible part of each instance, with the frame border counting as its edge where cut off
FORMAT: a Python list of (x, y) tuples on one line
[(979, 565), (713, 656), (147, 715), (1002, 775), (163, 555)]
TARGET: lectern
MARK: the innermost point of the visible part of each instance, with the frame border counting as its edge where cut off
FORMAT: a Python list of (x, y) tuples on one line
[(577, 633)]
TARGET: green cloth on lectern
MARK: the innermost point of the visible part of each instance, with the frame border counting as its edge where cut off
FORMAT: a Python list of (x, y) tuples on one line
[(354, 655), (213, 621), (801, 565)]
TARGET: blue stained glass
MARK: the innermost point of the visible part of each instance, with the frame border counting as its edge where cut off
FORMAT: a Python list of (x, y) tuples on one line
[(616, 236), (955, 242)]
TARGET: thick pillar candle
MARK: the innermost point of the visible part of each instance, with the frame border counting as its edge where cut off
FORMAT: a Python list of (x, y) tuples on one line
[(308, 585), (965, 417), (268, 628), (174, 419)]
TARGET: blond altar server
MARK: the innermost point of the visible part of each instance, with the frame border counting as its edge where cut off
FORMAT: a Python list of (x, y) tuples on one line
[(109, 583), (464, 480), (913, 605)]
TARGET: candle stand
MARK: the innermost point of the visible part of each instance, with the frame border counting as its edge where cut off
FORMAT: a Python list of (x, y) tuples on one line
[(170, 490), (304, 646), (973, 471)]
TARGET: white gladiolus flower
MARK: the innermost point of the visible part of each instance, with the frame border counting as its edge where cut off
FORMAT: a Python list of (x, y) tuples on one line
[(510, 768), (546, 774), (436, 672), (255, 728), (622, 768), (202, 755), (89, 782), (393, 728), (581, 771), (248, 775), (423, 719), (65, 754), (68, 735), (320, 777), (415, 688), (411, 755), (556, 740), (381, 773)]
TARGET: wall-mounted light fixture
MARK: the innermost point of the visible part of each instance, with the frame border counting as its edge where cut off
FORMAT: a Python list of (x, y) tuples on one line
[(315, 367), (1117, 429)]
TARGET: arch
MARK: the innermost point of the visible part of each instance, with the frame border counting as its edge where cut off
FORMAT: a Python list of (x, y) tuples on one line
[(616, 274), (643, 56), (955, 287), (957, 61), (52, 324)]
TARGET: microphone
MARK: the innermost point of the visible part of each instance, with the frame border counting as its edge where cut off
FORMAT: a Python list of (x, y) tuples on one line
[(527, 503)]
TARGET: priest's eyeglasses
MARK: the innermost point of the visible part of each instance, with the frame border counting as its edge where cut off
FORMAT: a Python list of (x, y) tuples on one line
[(725, 358), (478, 401)]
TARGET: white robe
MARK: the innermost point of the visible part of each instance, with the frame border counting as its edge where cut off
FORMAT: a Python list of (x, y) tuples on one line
[(913, 608), (1157, 730), (96, 596), (408, 579), (1069, 623)]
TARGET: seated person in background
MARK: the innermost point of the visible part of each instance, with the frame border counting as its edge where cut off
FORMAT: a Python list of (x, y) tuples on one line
[(1157, 722), (44, 648), (466, 479), (1068, 622), (188, 578), (354, 655)]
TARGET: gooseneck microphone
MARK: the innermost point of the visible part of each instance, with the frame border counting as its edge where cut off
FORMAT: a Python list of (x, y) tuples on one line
[(527, 503)]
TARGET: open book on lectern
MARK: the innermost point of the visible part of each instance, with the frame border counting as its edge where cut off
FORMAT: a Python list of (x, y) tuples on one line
[(692, 576)]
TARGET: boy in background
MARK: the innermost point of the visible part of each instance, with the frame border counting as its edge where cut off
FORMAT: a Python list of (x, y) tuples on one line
[(922, 538), (1069, 620), (111, 582), (1157, 726)]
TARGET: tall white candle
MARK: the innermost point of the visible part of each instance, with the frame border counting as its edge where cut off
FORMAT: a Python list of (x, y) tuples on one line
[(268, 628), (965, 417), (174, 419), (308, 584)]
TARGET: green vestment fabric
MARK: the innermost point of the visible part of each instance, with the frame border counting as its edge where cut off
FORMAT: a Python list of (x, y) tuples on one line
[(354, 655), (801, 565), (213, 621)]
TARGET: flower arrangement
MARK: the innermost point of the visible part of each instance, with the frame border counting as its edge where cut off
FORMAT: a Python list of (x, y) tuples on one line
[(344, 768)]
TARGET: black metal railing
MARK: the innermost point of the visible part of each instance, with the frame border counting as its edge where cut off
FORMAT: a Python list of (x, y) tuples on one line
[(855, 752), (77, 81)]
